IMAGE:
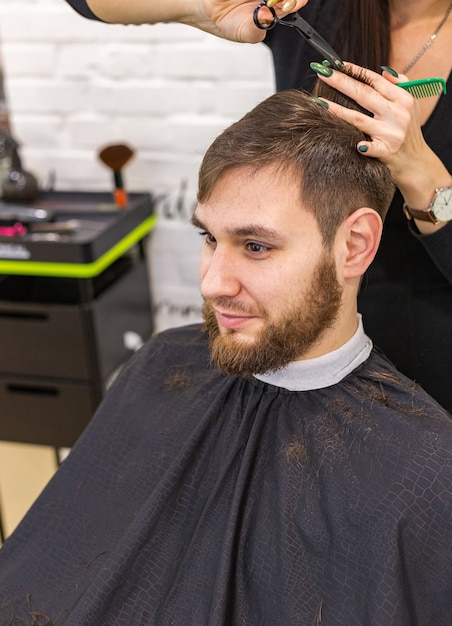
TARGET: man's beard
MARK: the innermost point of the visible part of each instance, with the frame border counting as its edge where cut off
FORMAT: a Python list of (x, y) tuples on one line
[(284, 340)]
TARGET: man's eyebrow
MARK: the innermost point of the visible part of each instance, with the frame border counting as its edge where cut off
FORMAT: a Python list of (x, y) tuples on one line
[(194, 221), (247, 230), (256, 230)]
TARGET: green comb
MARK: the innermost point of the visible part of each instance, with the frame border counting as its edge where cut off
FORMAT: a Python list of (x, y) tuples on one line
[(425, 87)]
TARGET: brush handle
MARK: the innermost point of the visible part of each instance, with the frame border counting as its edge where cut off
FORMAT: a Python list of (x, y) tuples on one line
[(117, 176), (119, 193), (120, 198)]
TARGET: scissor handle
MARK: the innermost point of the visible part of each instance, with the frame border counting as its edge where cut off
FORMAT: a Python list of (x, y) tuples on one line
[(269, 24), (294, 20)]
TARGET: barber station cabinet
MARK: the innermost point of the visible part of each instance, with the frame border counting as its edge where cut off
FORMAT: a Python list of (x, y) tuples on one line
[(74, 304)]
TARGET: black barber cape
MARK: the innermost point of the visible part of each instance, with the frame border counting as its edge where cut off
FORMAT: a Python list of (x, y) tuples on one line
[(198, 499)]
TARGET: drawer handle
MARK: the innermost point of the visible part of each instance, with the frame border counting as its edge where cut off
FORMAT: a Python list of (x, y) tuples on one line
[(23, 315), (31, 389)]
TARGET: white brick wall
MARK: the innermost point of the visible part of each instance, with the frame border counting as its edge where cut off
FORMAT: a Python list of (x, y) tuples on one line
[(74, 85)]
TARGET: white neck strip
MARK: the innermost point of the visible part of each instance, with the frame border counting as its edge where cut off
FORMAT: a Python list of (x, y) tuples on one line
[(325, 370)]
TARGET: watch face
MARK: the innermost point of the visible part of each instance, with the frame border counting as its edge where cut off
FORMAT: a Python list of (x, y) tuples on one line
[(442, 205)]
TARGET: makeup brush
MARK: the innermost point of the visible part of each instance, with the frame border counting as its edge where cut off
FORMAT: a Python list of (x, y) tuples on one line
[(115, 156)]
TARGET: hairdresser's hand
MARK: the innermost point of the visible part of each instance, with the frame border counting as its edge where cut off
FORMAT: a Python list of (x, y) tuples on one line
[(395, 132), (229, 19), (233, 19)]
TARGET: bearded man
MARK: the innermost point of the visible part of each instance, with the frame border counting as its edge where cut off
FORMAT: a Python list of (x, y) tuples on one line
[(271, 468)]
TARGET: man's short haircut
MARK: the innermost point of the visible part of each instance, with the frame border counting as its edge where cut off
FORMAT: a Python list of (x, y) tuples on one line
[(293, 134)]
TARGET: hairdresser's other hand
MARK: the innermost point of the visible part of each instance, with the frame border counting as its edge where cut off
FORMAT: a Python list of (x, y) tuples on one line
[(229, 19), (395, 132)]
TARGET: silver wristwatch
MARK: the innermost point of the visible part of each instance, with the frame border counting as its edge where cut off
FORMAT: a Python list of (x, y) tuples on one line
[(439, 210)]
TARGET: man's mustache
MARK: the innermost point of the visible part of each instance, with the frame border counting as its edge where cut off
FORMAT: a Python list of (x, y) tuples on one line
[(232, 304)]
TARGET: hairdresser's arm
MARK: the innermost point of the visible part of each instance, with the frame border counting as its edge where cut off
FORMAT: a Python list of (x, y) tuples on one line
[(229, 19)]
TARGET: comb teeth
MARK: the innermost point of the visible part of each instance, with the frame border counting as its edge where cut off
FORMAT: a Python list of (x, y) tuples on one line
[(425, 88)]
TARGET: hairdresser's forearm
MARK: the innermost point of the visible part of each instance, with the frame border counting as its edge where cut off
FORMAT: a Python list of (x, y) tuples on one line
[(417, 181), (142, 11), (229, 19)]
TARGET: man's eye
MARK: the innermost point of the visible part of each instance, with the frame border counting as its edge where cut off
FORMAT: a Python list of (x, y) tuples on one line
[(252, 246), (210, 239)]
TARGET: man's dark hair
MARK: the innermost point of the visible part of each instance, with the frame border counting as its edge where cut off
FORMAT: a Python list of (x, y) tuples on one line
[(293, 134)]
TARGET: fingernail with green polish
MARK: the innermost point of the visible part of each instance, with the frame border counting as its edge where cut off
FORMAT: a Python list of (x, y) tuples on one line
[(322, 103), (385, 68), (321, 69), (326, 63), (363, 148)]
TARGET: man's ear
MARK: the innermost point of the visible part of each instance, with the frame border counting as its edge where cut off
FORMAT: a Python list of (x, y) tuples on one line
[(361, 234)]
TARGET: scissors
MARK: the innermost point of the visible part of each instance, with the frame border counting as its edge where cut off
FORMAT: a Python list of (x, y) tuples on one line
[(294, 20)]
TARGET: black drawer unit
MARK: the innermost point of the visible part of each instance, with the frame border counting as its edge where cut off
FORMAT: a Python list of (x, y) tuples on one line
[(72, 304)]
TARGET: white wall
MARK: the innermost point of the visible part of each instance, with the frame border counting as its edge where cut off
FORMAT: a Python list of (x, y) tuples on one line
[(167, 90)]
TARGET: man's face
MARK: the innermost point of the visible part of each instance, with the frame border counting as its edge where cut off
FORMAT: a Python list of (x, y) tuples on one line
[(269, 286)]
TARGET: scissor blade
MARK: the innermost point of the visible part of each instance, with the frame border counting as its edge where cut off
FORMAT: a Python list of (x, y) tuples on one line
[(312, 37)]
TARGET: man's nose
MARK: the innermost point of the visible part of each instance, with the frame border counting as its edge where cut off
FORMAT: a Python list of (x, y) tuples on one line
[(219, 275)]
